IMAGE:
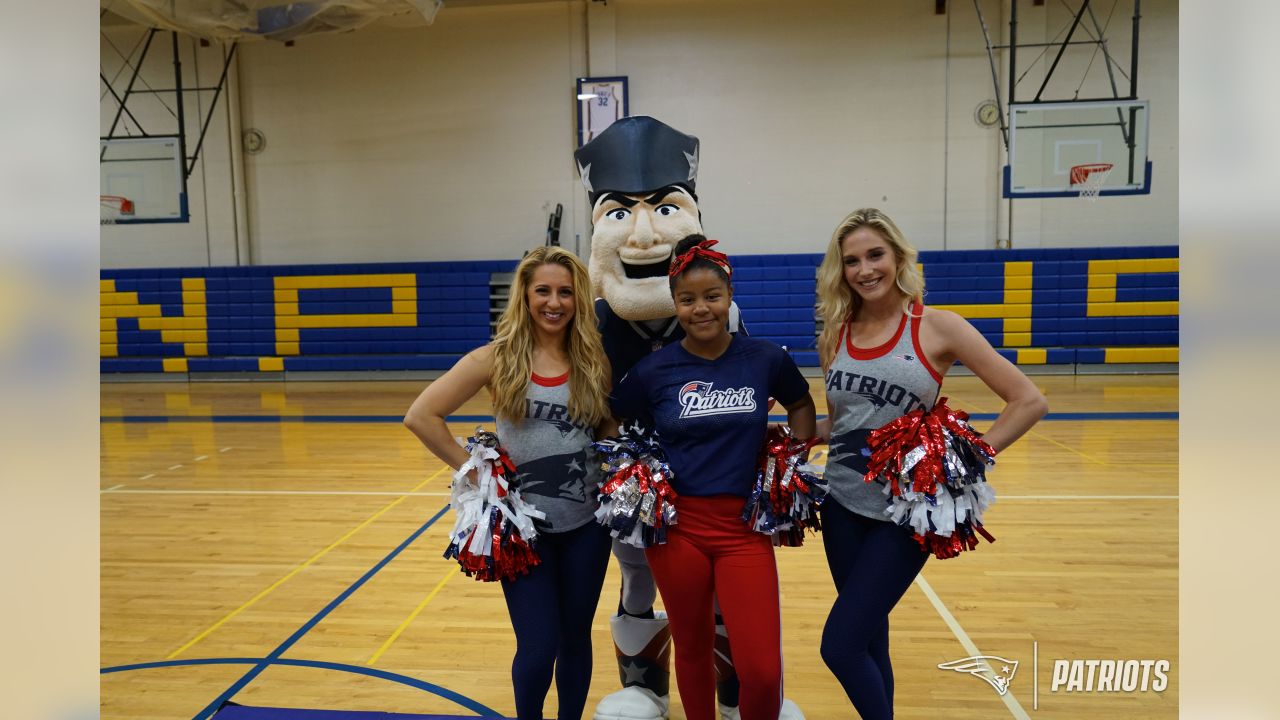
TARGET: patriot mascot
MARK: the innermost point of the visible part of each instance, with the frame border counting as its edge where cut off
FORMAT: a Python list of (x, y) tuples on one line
[(640, 177)]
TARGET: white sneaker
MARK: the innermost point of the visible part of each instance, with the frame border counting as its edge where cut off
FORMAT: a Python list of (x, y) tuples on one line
[(789, 711), (632, 703)]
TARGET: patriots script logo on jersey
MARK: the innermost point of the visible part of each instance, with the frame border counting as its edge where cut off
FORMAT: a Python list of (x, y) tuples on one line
[(698, 399)]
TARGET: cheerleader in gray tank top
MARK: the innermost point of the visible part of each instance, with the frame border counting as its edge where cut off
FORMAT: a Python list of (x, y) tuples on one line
[(867, 389), (549, 381), (550, 452), (885, 354)]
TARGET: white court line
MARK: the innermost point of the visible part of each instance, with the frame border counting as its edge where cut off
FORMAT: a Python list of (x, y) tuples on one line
[(1000, 497), (202, 457), (1068, 497), (1010, 701), (1035, 665), (175, 467), (224, 449), (1085, 497), (283, 492), (114, 487), (148, 476)]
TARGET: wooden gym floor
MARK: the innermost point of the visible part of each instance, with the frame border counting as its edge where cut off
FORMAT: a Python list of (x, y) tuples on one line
[(281, 544)]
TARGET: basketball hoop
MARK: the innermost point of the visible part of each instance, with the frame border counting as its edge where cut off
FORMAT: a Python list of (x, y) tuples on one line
[(1090, 178), (114, 207)]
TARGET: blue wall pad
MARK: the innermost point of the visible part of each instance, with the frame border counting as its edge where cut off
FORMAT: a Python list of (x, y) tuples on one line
[(236, 319)]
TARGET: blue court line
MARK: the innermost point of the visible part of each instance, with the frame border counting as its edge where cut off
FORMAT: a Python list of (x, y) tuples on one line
[(274, 655), (144, 419), (278, 418), (1092, 416), (445, 693)]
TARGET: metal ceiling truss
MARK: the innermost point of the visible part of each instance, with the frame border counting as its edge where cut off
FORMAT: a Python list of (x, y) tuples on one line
[(1098, 40), (179, 93)]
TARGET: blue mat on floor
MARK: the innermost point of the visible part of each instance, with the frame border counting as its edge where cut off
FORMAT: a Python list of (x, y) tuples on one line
[(232, 711)]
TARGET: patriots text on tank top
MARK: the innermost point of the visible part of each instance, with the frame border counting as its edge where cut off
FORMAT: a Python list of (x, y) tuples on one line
[(550, 452), (866, 389)]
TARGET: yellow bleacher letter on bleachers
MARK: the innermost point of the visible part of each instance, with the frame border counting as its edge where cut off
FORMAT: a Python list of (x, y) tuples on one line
[(404, 305), (1101, 296), (191, 330)]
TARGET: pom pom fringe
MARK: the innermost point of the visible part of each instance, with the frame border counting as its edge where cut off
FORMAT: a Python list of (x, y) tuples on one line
[(933, 465), (493, 534), (787, 493), (637, 502)]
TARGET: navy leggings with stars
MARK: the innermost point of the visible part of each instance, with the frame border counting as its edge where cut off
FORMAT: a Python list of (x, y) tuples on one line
[(873, 562), (551, 610)]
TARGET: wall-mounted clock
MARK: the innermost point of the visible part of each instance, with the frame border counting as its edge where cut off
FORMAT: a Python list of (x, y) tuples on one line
[(254, 141), (987, 114)]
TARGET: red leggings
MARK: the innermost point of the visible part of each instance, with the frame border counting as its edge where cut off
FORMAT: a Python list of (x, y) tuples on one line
[(711, 551)]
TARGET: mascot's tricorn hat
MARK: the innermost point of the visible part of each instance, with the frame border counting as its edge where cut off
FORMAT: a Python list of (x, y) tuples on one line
[(636, 155)]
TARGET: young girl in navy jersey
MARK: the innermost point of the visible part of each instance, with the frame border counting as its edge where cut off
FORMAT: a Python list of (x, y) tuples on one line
[(884, 355), (549, 381), (707, 397)]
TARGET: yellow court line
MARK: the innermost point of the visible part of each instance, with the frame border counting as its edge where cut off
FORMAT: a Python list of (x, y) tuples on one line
[(439, 586), (310, 561), (1068, 448), (974, 408), (968, 404)]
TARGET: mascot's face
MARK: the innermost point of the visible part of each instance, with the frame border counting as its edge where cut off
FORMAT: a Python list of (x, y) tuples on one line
[(631, 242)]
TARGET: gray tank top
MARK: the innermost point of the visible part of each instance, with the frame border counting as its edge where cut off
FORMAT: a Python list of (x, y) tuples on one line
[(549, 450), (866, 389)]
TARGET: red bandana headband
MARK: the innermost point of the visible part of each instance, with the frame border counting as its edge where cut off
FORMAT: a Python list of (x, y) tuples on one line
[(701, 250)]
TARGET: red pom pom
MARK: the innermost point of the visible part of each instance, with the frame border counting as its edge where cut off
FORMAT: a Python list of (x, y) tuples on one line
[(493, 535), (935, 466), (785, 498)]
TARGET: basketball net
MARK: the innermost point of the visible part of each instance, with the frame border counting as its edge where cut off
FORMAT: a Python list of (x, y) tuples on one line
[(114, 207), (1090, 178)]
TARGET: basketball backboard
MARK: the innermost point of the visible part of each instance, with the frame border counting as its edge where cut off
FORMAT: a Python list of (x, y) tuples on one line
[(148, 172), (1048, 140)]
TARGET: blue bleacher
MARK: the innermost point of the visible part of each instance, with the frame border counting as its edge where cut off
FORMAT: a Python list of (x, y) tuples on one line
[(243, 318)]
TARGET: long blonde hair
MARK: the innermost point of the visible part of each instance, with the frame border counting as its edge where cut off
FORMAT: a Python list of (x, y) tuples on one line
[(837, 302), (513, 344)]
